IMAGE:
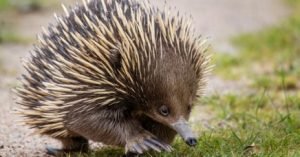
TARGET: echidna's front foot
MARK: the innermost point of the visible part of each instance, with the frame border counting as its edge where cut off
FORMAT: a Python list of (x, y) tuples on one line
[(144, 142)]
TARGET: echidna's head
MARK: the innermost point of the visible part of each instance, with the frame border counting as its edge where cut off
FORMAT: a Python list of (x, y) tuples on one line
[(170, 95)]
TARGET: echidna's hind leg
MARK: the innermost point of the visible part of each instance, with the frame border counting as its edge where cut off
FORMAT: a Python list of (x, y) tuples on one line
[(70, 145)]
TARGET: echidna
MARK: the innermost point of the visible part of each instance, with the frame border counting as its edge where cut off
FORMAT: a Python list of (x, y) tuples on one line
[(120, 72)]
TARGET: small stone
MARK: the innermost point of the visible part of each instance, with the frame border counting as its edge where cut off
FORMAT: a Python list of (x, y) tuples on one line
[(1, 146)]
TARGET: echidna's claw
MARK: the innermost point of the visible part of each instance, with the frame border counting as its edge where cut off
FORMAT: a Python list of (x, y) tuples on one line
[(162, 145), (152, 146), (144, 147), (145, 142), (137, 148)]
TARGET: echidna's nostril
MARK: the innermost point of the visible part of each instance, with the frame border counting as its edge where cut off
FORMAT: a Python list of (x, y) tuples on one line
[(191, 141)]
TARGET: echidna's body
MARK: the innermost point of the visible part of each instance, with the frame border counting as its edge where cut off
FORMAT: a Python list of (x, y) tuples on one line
[(119, 72)]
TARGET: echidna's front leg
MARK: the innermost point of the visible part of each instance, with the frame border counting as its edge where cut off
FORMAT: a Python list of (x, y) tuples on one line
[(144, 141), (115, 127)]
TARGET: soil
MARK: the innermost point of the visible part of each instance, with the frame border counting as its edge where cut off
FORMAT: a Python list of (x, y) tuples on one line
[(217, 19)]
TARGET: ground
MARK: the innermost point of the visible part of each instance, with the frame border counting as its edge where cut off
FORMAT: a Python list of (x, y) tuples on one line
[(220, 20)]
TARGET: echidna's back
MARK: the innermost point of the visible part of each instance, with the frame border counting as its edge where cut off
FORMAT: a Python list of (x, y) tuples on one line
[(102, 54)]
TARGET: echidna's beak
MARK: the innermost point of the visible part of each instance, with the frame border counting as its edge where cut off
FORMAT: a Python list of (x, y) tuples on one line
[(184, 130)]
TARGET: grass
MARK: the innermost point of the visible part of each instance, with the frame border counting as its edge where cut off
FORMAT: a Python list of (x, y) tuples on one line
[(268, 54), (263, 122), (24, 5), (9, 8), (2, 70), (8, 35)]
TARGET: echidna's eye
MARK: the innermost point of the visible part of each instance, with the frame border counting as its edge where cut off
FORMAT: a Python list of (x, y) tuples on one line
[(164, 110)]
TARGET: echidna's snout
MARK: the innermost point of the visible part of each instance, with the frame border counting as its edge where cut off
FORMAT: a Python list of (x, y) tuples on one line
[(184, 130)]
